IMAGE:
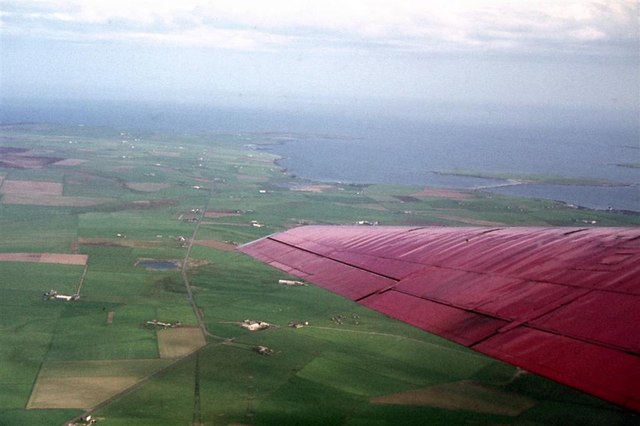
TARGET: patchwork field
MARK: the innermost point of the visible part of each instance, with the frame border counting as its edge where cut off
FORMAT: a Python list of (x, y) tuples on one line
[(142, 345), (30, 187), (462, 395), (214, 244), (76, 392), (179, 342), (147, 186), (70, 162), (214, 213), (61, 258), (85, 384), (429, 192), (20, 158), (119, 242), (43, 193), (47, 200)]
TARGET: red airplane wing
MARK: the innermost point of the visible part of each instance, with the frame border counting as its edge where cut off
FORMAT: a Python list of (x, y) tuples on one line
[(560, 302)]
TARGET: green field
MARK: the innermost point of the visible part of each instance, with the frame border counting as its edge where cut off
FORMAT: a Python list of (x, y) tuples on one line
[(127, 197)]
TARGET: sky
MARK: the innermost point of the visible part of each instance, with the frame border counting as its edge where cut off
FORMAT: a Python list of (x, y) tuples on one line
[(559, 53)]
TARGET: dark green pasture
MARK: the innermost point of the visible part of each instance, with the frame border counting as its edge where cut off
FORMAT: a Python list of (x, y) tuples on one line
[(326, 373)]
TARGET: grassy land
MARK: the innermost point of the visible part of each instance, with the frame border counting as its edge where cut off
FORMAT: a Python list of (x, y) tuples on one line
[(548, 179), (326, 373)]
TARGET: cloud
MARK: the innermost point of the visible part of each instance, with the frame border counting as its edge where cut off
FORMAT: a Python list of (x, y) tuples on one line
[(463, 25), (203, 37)]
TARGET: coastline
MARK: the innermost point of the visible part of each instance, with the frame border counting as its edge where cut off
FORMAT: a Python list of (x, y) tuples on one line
[(392, 152), (549, 188)]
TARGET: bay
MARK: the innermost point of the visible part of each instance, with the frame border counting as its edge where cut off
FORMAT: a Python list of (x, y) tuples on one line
[(340, 145)]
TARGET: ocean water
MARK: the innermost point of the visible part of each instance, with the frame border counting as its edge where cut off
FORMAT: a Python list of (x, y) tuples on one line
[(341, 145), (438, 155)]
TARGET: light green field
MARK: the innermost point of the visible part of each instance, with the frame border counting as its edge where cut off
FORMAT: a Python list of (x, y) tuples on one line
[(326, 373)]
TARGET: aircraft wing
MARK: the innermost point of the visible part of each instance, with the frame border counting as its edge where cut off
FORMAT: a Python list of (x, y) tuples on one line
[(560, 302)]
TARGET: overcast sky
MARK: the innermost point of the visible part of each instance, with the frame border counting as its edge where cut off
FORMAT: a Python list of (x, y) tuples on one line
[(541, 53)]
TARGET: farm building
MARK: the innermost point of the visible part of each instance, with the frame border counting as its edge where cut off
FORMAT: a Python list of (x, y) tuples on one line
[(255, 325)]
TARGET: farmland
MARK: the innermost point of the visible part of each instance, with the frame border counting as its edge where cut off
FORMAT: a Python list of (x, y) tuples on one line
[(81, 206)]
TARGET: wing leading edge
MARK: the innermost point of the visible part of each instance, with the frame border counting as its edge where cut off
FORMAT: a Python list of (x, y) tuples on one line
[(560, 302)]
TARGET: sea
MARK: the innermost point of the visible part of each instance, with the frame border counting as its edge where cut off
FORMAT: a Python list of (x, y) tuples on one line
[(486, 148)]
